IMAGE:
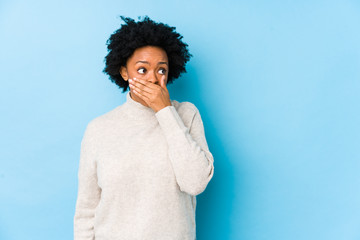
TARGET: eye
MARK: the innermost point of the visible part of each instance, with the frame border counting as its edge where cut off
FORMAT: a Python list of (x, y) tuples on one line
[(141, 70), (162, 71)]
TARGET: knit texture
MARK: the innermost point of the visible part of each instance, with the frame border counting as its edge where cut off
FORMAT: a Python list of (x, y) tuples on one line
[(139, 173)]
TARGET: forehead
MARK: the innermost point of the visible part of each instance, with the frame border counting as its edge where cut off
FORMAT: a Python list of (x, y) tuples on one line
[(150, 54)]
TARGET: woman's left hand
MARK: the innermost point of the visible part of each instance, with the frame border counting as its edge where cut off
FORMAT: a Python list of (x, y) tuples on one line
[(157, 97)]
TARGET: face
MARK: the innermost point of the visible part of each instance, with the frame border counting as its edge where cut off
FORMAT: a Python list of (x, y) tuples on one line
[(149, 63)]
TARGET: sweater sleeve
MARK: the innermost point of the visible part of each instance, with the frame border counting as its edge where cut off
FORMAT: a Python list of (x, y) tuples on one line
[(189, 154), (88, 190)]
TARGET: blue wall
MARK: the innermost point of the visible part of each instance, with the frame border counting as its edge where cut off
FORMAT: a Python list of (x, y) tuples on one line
[(277, 84)]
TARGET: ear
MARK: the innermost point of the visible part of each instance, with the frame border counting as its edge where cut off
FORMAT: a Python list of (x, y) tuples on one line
[(124, 73)]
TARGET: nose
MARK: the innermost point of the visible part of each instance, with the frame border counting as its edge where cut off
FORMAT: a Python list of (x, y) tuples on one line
[(153, 78)]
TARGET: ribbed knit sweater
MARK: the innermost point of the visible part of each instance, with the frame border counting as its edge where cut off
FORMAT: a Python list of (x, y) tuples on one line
[(139, 173)]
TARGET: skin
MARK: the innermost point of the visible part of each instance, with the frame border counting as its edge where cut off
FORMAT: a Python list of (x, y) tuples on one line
[(147, 72)]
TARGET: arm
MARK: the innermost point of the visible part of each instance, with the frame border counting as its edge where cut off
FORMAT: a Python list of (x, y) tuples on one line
[(88, 190), (188, 150)]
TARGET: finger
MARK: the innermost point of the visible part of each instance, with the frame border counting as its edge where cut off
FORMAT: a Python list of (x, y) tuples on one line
[(144, 84), (136, 84), (141, 95), (139, 88)]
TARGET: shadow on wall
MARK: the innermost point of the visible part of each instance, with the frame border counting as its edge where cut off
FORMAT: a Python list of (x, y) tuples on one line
[(215, 205)]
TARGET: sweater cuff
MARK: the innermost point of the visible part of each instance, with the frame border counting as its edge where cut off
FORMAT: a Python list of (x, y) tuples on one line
[(169, 120)]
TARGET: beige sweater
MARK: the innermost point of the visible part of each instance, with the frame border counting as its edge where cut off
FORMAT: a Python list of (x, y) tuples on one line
[(140, 172)]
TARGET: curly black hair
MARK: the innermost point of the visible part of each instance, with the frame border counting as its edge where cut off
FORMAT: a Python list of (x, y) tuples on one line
[(132, 35)]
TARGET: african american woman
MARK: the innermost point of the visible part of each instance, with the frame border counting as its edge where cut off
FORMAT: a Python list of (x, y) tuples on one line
[(143, 163)]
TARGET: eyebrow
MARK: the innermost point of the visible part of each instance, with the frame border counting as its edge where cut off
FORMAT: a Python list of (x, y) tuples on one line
[(149, 63)]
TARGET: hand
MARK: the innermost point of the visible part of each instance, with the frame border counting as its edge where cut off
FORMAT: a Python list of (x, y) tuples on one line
[(157, 97)]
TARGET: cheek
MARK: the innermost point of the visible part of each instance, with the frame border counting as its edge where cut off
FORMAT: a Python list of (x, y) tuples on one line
[(135, 73)]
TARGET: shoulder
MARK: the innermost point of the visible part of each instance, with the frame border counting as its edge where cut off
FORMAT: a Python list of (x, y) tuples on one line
[(185, 108), (96, 124), (188, 112)]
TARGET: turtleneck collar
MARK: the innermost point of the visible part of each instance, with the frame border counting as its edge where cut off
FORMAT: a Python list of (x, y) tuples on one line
[(137, 110)]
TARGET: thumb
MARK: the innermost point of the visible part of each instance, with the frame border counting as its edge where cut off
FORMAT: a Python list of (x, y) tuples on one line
[(162, 82)]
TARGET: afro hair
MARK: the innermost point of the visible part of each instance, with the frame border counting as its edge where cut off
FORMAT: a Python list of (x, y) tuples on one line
[(132, 35)]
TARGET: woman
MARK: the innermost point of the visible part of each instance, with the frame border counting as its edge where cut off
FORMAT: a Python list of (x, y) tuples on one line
[(143, 163)]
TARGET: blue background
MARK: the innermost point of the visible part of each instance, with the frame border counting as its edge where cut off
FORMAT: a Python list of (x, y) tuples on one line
[(276, 82)]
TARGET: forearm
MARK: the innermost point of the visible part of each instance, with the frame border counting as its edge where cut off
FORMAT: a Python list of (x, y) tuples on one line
[(188, 151)]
